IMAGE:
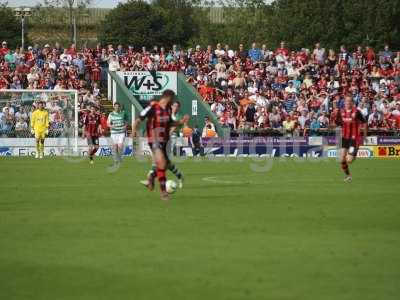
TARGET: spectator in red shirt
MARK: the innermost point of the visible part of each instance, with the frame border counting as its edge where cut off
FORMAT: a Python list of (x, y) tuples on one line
[(96, 72), (72, 50), (282, 50), (103, 123), (30, 57), (3, 49), (3, 82), (369, 55)]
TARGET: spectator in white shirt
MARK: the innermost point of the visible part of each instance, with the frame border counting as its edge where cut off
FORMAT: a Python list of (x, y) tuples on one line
[(113, 64), (303, 119), (219, 52), (8, 108), (96, 89), (290, 89), (52, 64), (229, 52), (260, 100), (21, 114), (266, 54), (89, 99), (261, 117), (65, 57), (59, 86), (220, 67), (363, 109), (217, 108), (52, 106), (253, 88), (20, 126), (374, 115), (319, 54), (33, 75)]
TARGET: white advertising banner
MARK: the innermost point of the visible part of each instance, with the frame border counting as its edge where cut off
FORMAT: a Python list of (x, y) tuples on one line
[(146, 85), (363, 152), (371, 140), (315, 140), (63, 146)]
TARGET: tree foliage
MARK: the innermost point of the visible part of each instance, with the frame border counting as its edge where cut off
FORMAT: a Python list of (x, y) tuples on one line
[(178, 22), (336, 22), (301, 23), (139, 23), (246, 21), (10, 27), (133, 23)]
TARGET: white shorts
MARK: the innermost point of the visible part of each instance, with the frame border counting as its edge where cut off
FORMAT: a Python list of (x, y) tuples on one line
[(118, 138)]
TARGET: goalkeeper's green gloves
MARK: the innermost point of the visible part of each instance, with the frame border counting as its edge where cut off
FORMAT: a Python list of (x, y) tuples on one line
[(32, 131)]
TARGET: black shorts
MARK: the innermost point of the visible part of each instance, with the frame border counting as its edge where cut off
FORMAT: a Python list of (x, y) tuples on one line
[(161, 146), (93, 141), (351, 145)]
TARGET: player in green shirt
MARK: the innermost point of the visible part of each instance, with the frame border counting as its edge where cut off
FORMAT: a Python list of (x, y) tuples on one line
[(176, 116), (117, 122)]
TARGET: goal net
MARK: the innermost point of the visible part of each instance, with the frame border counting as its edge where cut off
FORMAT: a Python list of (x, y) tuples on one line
[(16, 107)]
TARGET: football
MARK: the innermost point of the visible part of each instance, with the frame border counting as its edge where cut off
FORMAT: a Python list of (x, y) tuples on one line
[(171, 186)]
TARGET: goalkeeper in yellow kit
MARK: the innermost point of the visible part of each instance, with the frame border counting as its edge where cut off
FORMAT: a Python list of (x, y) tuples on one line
[(40, 128)]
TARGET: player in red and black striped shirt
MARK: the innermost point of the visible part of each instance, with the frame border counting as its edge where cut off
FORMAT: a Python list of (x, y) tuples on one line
[(92, 130), (152, 174), (351, 120), (159, 122)]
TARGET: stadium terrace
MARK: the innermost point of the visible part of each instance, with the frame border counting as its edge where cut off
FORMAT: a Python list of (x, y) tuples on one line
[(254, 89)]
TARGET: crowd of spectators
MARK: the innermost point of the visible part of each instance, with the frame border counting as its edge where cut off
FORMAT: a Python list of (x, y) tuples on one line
[(297, 91), (47, 67), (251, 89), (287, 91)]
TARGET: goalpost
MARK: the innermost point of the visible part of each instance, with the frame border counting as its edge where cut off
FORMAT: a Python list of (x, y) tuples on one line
[(16, 107)]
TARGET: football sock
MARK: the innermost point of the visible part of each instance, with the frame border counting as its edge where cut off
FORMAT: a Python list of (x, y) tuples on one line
[(42, 147), (345, 168), (153, 171), (116, 156), (92, 153), (38, 146), (175, 170), (162, 179)]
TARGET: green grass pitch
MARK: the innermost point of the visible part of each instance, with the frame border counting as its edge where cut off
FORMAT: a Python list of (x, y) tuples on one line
[(72, 231)]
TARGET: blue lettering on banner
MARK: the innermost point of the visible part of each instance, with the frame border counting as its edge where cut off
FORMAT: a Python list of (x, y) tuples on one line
[(25, 152), (5, 151), (261, 150), (105, 152), (128, 151), (363, 152), (30, 151)]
